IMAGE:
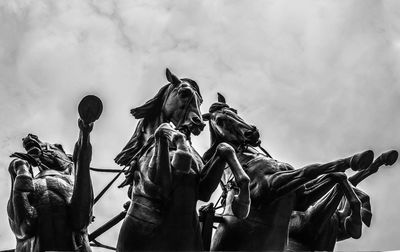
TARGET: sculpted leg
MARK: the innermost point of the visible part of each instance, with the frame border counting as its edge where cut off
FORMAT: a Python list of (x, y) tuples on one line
[(352, 222), (323, 210), (326, 206), (241, 202), (182, 159), (210, 176), (317, 221), (160, 170), (22, 215), (160, 165), (313, 190), (212, 172), (281, 183), (387, 158)]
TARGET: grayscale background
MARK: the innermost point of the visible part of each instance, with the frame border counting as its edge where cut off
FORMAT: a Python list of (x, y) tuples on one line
[(319, 78)]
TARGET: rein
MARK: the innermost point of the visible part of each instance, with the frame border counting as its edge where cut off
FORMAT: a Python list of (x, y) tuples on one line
[(264, 150), (138, 155)]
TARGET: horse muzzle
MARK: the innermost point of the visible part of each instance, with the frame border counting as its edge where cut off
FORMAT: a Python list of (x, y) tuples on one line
[(197, 125), (252, 136)]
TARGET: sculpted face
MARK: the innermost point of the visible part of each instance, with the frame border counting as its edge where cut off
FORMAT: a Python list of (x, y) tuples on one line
[(182, 106), (226, 124), (50, 156)]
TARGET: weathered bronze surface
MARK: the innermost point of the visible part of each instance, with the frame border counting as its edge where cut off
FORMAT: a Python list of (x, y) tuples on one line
[(167, 176), (272, 187), (51, 211), (332, 217), (265, 201)]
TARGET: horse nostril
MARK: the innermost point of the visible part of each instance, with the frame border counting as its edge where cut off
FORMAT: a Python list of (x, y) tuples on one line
[(256, 134), (196, 120), (253, 134), (248, 133), (185, 92)]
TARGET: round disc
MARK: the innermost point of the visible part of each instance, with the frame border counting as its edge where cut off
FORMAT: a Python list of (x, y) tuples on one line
[(90, 108)]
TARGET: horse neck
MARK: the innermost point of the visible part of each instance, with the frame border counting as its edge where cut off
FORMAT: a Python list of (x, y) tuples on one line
[(150, 126), (215, 140)]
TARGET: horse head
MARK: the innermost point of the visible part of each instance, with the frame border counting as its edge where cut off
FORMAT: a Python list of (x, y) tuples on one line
[(177, 102), (48, 156), (226, 125)]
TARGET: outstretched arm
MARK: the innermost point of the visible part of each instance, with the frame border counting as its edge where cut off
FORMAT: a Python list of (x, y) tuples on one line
[(82, 198)]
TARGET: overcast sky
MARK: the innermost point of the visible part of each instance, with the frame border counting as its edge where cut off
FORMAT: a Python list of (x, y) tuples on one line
[(319, 78)]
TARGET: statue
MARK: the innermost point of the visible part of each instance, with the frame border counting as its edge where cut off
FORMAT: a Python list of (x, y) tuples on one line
[(166, 175), (332, 217), (51, 211), (272, 184)]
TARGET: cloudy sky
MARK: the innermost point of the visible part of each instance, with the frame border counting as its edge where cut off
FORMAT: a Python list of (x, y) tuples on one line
[(319, 78)]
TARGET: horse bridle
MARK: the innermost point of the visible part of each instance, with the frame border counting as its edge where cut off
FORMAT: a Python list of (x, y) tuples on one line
[(185, 114)]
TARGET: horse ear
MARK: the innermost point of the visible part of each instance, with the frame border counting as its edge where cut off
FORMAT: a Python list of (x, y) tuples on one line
[(221, 98), (206, 116), (171, 77)]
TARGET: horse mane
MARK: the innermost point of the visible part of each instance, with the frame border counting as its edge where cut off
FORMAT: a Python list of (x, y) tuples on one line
[(124, 158), (152, 107), (147, 111)]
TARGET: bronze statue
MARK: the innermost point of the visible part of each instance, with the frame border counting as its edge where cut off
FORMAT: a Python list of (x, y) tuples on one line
[(51, 211), (332, 217), (272, 184), (167, 176)]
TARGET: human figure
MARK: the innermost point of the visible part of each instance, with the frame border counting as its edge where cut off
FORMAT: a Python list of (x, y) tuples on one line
[(51, 211)]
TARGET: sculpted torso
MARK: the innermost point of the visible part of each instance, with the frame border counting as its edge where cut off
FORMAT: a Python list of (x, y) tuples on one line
[(51, 198)]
